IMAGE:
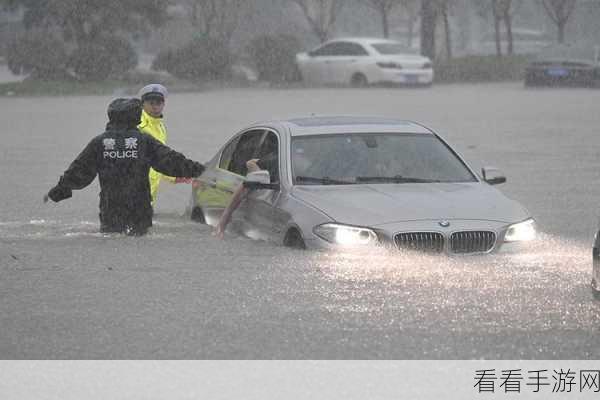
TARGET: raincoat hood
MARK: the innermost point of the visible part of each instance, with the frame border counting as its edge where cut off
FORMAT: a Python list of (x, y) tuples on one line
[(124, 113)]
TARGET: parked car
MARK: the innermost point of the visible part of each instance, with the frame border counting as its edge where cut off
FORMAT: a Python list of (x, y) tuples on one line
[(574, 65), (357, 181), (361, 62)]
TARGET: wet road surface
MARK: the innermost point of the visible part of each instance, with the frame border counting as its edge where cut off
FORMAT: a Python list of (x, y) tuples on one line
[(67, 291)]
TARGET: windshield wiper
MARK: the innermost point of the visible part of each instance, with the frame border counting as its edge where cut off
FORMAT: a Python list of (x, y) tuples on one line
[(393, 179), (325, 180)]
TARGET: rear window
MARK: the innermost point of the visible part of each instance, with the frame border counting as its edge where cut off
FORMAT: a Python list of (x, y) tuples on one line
[(393, 48)]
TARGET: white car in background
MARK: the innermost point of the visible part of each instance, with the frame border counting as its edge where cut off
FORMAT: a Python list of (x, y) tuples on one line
[(361, 62)]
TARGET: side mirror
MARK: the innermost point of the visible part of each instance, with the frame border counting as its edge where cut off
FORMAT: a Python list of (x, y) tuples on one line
[(492, 175), (260, 180), (261, 176)]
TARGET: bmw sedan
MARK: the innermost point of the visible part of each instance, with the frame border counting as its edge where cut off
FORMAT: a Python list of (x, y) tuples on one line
[(363, 61), (339, 182)]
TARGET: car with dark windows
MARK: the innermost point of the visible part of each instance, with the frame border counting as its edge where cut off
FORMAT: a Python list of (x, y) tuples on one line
[(565, 65), (342, 182)]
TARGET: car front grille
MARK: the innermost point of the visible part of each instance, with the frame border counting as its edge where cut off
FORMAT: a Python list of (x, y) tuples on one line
[(465, 242), (472, 242), (431, 242)]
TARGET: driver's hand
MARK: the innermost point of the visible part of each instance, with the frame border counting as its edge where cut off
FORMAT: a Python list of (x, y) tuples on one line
[(219, 232), (183, 180)]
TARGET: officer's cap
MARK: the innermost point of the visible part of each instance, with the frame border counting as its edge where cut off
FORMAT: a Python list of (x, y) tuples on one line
[(125, 111), (153, 91)]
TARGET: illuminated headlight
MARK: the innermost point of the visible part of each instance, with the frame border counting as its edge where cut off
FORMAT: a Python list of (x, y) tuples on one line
[(345, 235), (520, 232)]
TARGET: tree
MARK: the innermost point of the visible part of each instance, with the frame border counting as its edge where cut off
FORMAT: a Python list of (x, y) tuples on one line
[(83, 21), (217, 19), (428, 28), (443, 10), (559, 11), (431, 10), (321, 15), (502, 12), (411, 9), (384, 8)]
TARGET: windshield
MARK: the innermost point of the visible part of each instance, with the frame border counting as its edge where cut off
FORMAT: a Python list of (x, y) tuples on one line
[(374, 158), (392, 48)]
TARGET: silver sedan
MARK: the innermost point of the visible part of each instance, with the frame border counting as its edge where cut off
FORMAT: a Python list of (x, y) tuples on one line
[(339, 182)]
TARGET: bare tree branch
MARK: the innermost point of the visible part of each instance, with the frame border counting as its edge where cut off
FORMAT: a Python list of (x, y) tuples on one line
[(321, 15)]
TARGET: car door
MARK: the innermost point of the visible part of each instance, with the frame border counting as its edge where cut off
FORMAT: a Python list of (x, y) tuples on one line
[(317, 65), (216, 186), (257, 210), (345, 62)]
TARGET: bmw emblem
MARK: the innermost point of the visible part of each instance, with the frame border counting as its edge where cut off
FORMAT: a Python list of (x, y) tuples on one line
[(444, 223)]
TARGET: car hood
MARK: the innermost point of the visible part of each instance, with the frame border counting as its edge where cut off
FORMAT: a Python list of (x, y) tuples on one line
[(373, 205)]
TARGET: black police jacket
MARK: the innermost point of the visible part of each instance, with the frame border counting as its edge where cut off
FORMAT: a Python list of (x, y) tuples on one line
[(122, 159)]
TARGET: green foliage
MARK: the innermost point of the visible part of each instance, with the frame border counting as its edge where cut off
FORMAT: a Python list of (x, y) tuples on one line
[(84, 20), (39, 54), (109, 56), (274, 57), (480, 69), (200, 59)]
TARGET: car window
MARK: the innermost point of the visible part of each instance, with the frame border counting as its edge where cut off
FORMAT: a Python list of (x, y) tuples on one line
[(390, 48), (351, 49), (377, 158), (268, 156), (240, 150), (327, 50)]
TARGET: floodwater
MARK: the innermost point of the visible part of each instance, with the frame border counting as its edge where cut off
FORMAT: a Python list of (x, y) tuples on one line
[(67, 291)]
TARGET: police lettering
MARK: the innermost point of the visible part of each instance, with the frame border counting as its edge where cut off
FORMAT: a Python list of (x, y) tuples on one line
[(121, 154)]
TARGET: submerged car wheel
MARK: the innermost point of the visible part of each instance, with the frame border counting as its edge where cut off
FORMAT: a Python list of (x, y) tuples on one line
[(294, 240), (359, 80), (198, 215)]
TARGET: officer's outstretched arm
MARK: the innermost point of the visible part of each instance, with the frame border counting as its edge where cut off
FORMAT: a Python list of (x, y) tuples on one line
[(169, 162), (80, 174)]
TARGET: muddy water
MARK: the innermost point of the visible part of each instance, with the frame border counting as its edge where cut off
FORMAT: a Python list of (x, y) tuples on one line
[(67, 291)]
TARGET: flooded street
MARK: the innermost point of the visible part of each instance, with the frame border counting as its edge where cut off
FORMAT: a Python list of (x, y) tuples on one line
[(67, 291)]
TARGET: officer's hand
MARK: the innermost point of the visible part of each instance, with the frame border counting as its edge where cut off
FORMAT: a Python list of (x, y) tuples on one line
[(46, 198), (183, 180)]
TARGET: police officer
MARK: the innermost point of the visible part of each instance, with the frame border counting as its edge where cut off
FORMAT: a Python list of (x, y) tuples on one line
[(154, 97), (122, 157)]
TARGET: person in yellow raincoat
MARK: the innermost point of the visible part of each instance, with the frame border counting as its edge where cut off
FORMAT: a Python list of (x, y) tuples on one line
[(153, 98)]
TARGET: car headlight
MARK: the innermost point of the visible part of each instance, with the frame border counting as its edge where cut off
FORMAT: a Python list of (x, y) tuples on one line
[(346, 235), (520, 232)]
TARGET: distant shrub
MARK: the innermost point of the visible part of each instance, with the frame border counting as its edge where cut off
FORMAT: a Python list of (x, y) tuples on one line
[(37, 53), (274, 57), (137, 77), (199, 59), (108, 56), (480, 69)]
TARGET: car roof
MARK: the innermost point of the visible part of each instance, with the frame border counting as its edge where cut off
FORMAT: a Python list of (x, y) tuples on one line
[(327, 125), (362, 40)]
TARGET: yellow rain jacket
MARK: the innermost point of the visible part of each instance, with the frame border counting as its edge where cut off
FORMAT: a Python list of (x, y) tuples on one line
[(155, 128)]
